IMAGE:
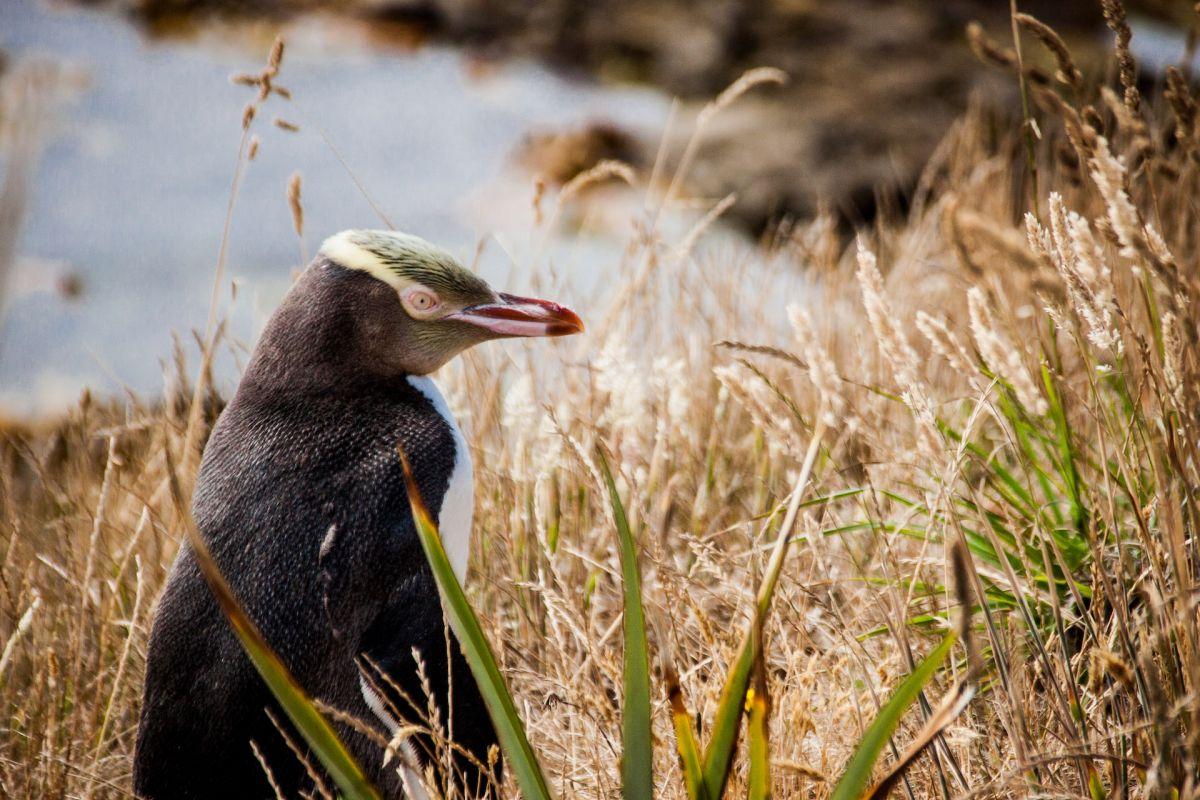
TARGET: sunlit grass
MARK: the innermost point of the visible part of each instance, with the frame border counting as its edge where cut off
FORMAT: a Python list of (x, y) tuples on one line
[(1024, 390)]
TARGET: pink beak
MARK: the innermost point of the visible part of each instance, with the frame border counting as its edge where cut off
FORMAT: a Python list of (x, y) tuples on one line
[(522, 316)]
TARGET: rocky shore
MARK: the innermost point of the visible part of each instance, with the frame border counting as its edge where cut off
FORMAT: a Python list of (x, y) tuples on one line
[(873, 86)]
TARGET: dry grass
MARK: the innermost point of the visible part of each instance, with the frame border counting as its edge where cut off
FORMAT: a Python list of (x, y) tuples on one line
[(1029, 385)]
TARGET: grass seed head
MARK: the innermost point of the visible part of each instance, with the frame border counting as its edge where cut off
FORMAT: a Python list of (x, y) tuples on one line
[(293, 198)]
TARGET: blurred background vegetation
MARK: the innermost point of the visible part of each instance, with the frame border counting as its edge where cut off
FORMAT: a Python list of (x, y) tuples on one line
[(448, 112)]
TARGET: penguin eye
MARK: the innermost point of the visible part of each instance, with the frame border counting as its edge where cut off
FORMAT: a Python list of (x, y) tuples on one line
[(421, 300)]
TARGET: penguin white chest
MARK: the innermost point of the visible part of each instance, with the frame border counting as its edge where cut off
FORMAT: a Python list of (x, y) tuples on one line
[(458, 506)]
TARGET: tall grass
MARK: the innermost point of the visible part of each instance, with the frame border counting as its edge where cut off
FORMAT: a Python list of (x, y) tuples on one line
[(1023, 387)]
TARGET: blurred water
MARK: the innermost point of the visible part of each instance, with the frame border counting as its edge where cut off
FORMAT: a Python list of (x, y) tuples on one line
[(130, 194)]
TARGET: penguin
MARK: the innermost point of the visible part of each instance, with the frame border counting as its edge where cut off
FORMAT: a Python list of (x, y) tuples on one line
[(301, 499)]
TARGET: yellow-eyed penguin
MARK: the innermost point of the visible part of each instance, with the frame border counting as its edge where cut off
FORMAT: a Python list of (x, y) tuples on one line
[(301, 499)]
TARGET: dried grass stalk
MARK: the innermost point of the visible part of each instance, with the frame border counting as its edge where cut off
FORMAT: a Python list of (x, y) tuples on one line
[(1068, 72), (1114, 16), (293, 198), (987, 50)]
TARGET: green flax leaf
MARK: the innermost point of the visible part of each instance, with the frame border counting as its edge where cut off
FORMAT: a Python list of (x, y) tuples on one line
[(637, 763), (856, 778)]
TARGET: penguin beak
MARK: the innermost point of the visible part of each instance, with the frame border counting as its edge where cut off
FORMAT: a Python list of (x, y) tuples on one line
[(521, 316)]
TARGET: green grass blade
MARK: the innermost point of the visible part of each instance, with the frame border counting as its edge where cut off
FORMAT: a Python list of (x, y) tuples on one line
[(637, 763), (1095, 785), (1070, 463), (856, 779), (718, 755), (478, 652), (315, 729), (758, 712), (1007, 485), (685, 739)]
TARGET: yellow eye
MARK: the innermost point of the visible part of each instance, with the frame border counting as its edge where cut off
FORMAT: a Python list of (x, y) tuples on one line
[(420, 300)]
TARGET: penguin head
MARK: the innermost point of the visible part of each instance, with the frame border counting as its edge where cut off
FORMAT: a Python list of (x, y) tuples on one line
[(440, 307)]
